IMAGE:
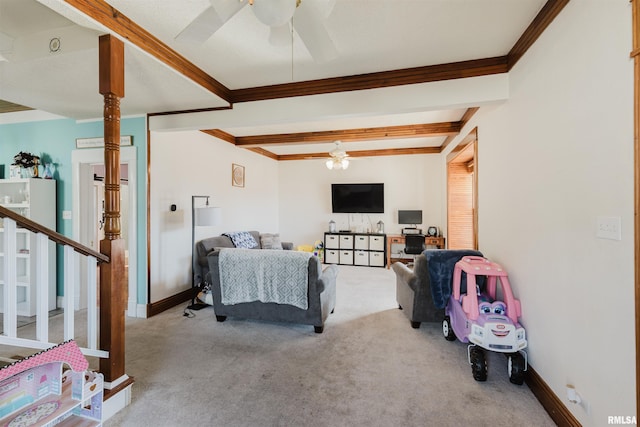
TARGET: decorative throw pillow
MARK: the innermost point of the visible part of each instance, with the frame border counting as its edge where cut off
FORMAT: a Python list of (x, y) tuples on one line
[(270, 241), (242, 239)]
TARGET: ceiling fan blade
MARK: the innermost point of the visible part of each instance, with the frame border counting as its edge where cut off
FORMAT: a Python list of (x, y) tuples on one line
[(209, 21), (280, 36), (6, 46), (227, 8), (313, 32), (202, 27)]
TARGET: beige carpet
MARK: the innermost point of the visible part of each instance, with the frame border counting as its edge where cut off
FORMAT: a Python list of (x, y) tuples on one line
[(368, 368)]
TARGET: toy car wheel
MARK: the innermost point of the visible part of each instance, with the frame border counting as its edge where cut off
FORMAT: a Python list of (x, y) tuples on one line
[(516, 368), (478, 364), (447, 331)]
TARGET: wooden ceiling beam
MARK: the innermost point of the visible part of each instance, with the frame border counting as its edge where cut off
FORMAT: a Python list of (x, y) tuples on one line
[(221, 135), (10, 107), (351, 135), (364, 153), (463, 121), (407, 76), (115, 21), (225, 136), (264, 152), (547, 14)]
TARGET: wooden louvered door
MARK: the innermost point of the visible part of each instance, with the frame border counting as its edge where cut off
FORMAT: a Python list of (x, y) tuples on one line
[(462, 185)]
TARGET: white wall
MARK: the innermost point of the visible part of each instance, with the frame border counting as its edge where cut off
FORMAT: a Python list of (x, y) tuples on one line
[(555, 156), (184, 164), (289, 197), (410, 182)]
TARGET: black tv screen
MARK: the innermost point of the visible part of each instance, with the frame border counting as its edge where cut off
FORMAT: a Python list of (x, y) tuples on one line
[(357, 198), (410, 217)]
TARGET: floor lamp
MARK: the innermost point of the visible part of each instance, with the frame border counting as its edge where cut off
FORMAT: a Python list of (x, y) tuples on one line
[(205, 216)]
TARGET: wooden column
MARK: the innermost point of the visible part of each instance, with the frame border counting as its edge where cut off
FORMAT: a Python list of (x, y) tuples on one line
[(112, 88), (112, 285)]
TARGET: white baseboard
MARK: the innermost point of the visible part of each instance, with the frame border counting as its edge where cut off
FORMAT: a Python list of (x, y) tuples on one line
[(116, 403), (137, 310), (142, 311), (133, 310)]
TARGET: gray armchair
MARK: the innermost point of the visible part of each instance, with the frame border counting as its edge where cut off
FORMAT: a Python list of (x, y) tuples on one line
[(414, 292)]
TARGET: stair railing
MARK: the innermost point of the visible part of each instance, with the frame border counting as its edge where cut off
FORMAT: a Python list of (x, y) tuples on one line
[(13, 223)]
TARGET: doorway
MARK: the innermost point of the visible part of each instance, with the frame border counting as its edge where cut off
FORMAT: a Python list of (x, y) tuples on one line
[(88, 194), (462, 194)]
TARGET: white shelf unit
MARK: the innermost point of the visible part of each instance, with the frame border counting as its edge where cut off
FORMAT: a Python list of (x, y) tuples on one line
[(365, 249), (35, 199)]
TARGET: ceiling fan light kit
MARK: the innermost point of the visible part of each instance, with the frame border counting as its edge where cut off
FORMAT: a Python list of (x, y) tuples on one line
[(338, 159), (337, 164), (274, 13)]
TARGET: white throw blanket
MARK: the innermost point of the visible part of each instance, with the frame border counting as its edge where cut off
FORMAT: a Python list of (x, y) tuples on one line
[(248, 275)]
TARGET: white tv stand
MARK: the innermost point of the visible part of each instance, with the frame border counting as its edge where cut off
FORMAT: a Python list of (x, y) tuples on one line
[(346, 248)]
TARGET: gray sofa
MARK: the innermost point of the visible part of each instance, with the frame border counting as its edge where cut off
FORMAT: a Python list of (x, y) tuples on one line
[(321, 298), (205, 246), (414, 290)]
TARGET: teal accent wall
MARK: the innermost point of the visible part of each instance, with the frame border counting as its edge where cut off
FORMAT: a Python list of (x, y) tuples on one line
[(55, 140)]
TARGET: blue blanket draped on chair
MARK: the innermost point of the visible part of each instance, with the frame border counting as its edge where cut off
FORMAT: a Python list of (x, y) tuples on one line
[(441, 264)]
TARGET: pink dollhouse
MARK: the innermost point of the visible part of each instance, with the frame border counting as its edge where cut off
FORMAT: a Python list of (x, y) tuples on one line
[(36, 391)]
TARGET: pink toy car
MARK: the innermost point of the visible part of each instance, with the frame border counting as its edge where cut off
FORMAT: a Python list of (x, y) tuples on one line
[(477, 317)]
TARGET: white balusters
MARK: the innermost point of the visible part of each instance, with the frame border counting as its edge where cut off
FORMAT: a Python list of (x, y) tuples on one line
[(69, 291), (42, 286), (92, 303), (10, 293)]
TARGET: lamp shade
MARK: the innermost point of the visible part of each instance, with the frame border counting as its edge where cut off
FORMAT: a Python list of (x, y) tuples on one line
[(207, 216)]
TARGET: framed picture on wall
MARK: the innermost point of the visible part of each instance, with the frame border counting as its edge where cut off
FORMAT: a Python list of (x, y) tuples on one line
[(237, 175)]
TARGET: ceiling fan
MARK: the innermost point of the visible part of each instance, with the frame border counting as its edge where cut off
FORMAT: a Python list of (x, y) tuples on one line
[(306, 16), (339, 159)]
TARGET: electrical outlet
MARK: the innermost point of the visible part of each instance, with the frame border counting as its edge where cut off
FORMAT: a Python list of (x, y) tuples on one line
[(574, 397), (609, 227), (66, 214)]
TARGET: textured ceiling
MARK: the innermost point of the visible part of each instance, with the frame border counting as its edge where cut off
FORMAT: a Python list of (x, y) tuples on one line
[(370, 36)]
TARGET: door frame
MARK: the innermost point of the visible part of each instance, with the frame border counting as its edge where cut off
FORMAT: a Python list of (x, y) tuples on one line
[(471, 140), (81, 159)]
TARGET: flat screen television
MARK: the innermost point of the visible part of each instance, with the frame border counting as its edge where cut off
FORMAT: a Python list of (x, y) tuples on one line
[(357, 198), (410, 217)]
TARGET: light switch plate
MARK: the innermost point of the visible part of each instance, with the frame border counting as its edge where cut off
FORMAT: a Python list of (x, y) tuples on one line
[(609, 227), (66, 214)]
